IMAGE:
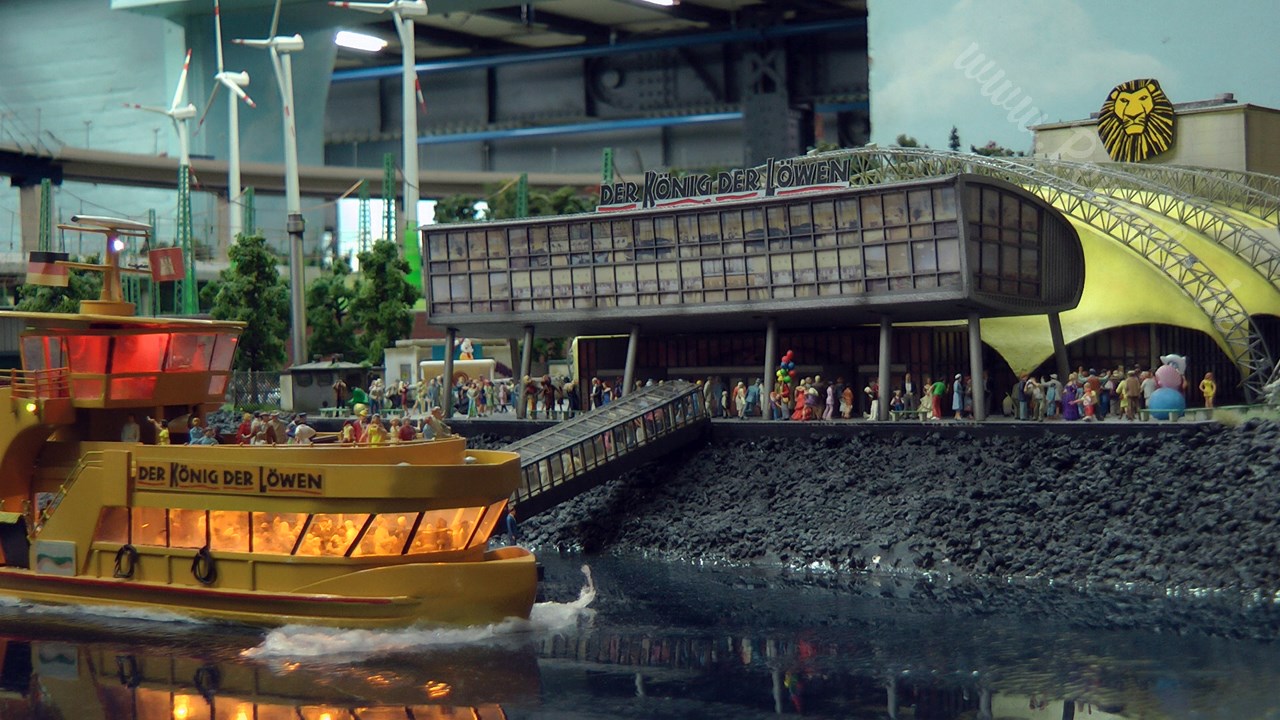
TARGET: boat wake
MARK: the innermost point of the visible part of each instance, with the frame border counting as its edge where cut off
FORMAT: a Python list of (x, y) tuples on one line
[(113, 614), (294, 642)]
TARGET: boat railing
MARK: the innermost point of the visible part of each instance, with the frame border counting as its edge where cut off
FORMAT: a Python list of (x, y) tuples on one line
[(92, 458), (42, 384), (573, 448)]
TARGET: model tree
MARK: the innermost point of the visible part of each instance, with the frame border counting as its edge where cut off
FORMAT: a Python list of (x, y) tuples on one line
[(81, 285), (383, 300), (252, 291), (329, 299), (953, 141)]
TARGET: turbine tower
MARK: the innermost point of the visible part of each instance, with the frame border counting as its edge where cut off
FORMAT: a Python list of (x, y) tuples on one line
[(403, 12), (235, 82), (281, 48), (180, 110)]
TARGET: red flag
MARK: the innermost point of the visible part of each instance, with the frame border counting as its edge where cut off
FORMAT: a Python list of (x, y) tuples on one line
[(43, 269), (166, 264)]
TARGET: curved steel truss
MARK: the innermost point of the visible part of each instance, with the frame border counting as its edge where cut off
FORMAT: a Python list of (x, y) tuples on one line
[(1261, 183), (1176, 204), (1230, 322), (1220, 186)]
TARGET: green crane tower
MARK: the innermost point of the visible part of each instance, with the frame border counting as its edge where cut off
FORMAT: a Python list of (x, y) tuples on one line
[(249, 219), (46, 215), (185, 289), (364, 232), (389, 197)]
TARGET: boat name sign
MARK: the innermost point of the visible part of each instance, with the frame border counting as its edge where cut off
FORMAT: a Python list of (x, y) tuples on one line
[(204, 478)]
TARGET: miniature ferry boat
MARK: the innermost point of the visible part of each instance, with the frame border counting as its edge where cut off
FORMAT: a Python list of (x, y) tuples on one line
[(355, 536)]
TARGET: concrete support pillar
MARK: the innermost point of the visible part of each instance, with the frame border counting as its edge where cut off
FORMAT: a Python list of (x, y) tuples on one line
[(1153, 352), (882, 375), (513, 350), (29, 217), (526, 368), (770, 367), (1059, 346), (446, 401), (629, 370), (976, 367)]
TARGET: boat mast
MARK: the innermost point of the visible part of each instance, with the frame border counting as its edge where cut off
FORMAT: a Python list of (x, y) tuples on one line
[(111, 301)]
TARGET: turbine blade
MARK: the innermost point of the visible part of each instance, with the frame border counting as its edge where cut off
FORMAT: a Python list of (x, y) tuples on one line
[(181, 91), (217, 30), (240, 93), (253, 43), (362, 6), (275, 20), (207, 105), (148, 108), (422, 102)]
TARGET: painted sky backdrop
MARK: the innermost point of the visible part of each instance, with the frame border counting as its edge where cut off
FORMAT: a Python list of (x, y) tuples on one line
[(992, 67)]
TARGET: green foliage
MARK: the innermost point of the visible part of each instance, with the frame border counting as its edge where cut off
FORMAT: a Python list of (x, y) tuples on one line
[(906, 141), (502, 204), (81, 285), (252, 291), (953, 141), (329, 300), (991, 149), (383, 300), (456, 209)]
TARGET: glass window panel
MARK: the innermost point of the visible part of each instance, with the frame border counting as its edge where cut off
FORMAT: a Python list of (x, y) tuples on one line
[(895, 208), (753, 223), (646, 277), (187, 528), (921, 231), (926, 281), (691, 274), (664, 230), (87, 353), (944, 203), (150, 526), (924, 256), (621, 234), (731, 224), (457, 246), (387, 535), (1009, 237), (541, 281), (777, 221), (898, 232), (518, 240), (824, 215), (626, 279), (850, 264), (230, 530), (497, 244), (803, 266), (826, 240), (990, 206), (498, 287), (847, 213), (436, 247), (459, 287), (480, 287), (784, 291), (900, 283), (520, 287), (561, 283), (1030, 239), (828, 265), (444, 530), (580, 237), (872, 217), (758, 270), (781, 269), (800, 218), (559, 238), (538, 240), (874, 261), (1030, 217), (899, 257), (920, 204), (687, 225), (477, 244), (989, 260), (1009, 263), (1029, 265), (604, 280), (946, 229), (709, 227), (1010, 211), (330, 534), (138, 353), (440, 289), (668, 276)]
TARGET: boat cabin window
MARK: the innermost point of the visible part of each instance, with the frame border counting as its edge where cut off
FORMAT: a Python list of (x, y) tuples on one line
[(318, 535)]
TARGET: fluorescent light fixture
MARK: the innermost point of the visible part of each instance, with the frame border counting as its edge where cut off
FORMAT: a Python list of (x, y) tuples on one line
[(663, 3), (359, 41)]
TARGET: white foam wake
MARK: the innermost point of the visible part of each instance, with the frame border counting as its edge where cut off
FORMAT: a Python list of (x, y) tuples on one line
[(301, 641)]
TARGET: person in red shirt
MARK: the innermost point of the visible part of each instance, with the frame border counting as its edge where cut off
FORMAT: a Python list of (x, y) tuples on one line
[(244, 433)]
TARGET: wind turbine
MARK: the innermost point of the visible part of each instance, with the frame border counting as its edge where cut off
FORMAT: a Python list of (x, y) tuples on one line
[(180, 110), (281, 48), (235, 82), (403, 12)]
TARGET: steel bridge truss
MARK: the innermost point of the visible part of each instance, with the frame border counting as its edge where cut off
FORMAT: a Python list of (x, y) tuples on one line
[(1231, 324)]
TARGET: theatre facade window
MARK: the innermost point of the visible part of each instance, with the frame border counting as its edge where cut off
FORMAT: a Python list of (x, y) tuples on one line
[(948, 236)]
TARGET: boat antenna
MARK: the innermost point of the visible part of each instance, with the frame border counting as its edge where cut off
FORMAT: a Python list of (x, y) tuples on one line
[(111, 301)]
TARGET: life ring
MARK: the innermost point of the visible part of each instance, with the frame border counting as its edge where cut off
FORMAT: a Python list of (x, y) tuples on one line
[(203, 567), (207, 681), (126, 561)]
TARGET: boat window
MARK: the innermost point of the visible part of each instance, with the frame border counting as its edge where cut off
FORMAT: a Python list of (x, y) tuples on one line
[(138, 353), (189, 352), (87, 353), (230, 530), (150, 527), (223, 351), (113, 525), (276, 532), (188, 528), (330, 534), (33, 353), (387, 535), (443, 530), (125, 388)]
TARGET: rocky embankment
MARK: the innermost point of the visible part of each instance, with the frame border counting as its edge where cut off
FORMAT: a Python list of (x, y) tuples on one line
[(1187, 509)]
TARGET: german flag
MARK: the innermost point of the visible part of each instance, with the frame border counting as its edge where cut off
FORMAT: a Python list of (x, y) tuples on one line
[(43, 269)]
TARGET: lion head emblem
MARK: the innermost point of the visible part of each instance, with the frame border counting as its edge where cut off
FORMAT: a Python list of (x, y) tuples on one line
[(1136, 121)]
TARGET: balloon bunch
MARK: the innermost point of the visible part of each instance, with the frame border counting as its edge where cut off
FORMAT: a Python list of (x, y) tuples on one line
[(786, 370)]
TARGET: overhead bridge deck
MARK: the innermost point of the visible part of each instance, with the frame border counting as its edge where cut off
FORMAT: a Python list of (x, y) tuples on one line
[(578, 454)]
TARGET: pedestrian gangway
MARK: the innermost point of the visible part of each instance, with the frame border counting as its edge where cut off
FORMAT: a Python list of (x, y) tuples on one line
[(582, 452)]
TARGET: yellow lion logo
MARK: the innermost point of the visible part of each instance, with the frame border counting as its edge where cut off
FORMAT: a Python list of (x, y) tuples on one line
[(1136, 121)]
